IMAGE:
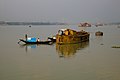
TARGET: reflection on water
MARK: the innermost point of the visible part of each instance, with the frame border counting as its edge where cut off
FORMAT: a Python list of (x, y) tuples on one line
[(99, 39), (29, 46), (69, 50)]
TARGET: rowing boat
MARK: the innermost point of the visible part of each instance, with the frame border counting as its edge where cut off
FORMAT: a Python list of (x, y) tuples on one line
[(37, 42)]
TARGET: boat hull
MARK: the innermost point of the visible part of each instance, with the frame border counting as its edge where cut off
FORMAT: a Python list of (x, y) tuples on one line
[(41, 42), (70, 39)]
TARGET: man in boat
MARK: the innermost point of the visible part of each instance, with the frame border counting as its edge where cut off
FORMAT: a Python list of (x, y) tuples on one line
[(26, 37), (38, 40)]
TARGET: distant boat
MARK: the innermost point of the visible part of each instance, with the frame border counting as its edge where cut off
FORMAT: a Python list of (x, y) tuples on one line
[(99, 33), (99, 24), (115, 46), (84, 24), (30, 26)]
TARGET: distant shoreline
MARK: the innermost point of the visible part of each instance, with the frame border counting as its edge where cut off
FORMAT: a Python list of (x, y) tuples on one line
[(31, 23), (48, 23)]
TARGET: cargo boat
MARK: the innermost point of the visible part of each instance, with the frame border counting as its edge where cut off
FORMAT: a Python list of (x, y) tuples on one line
[(68, 36)]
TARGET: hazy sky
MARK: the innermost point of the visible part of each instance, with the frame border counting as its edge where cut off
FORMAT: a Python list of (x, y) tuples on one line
[(60, 10)]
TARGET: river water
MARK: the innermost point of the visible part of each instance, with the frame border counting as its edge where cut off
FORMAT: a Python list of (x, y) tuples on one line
[(92, 60)]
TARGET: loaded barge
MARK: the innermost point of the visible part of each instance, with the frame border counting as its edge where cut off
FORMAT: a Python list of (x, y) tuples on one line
[(69, 36)]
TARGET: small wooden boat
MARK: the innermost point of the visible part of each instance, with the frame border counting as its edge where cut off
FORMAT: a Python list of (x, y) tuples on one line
[(37, 42), (33, 40), (115, 46), (99, 33)]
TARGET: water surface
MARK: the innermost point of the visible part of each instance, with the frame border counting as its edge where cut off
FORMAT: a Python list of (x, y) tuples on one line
[(93, 60)]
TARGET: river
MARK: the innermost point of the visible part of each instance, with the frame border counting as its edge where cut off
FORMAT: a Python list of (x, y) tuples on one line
[(92, 60)]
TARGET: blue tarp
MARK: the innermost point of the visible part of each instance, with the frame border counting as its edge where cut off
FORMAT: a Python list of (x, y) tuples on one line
[(31, 39)]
